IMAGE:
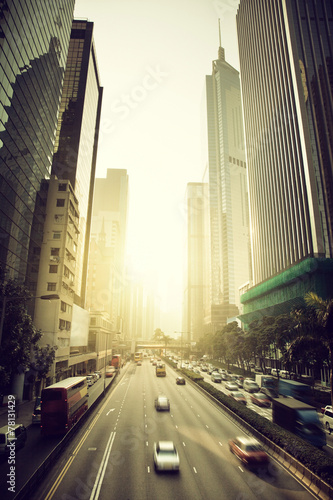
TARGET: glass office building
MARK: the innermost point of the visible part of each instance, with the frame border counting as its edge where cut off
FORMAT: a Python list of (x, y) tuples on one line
[(286, 66), (34, 39), (77, 135), (228, 196)]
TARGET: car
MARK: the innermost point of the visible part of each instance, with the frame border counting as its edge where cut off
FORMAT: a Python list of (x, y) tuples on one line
[(139, 363), (327, 407), (249, 451), (216, 377), (180, 381), (196, 370), (274, 372), (239, 397), (284, 374), (269, 392), (250, 385), (165, 456), (9, 435), (90, 380), (231, 386), (260, 399), (162, 403), (328, 418), (98, 373), (36, 415)]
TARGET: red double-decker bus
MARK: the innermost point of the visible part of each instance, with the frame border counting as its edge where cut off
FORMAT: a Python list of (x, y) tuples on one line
[(62, 405)]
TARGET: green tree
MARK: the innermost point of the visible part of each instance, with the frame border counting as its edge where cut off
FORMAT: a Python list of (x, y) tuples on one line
[(314, 331), (19, 334), (43, 357)]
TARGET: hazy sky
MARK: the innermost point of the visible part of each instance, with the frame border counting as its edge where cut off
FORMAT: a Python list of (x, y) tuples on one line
[(153, 56)]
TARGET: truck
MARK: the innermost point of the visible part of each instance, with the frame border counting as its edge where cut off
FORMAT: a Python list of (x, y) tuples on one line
[(116, 361), (299, 418), (265, 381), (160, 370), (295, 390)]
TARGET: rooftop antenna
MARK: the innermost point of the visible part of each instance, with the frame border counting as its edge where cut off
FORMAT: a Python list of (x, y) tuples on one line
[(221, 50)]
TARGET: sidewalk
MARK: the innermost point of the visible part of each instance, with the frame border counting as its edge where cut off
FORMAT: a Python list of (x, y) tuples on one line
[(25, 409)]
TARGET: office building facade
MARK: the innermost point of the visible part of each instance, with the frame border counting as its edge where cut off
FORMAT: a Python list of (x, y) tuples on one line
[(197, 279), (77, 136), (228, 196), (285, 50), (33, 58)]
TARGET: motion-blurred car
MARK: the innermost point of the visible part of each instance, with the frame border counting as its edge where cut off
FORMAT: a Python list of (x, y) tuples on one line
[(231, 386), (250, 385), (239, 397), (260, 399), (270, 393), (162, 403), (216, 377), (180, 381), (166, 457), (249, 451)]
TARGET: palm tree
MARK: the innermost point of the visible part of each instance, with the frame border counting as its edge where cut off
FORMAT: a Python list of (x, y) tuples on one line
[(317, 326)]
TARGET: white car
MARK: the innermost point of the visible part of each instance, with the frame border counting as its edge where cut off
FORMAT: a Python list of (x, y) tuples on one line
[(162, 403), (166, 457)]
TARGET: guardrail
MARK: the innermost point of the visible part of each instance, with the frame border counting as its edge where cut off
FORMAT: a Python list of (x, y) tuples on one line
[(39, 474)]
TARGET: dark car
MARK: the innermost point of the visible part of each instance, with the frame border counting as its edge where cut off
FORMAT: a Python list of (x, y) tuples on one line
[(180, 381), (249, 451), (260, 399)]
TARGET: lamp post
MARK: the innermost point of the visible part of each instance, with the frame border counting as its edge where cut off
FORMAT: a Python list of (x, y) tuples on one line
[(6, 299)]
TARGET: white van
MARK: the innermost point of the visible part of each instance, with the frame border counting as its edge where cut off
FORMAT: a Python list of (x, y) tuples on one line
[(16, 434)]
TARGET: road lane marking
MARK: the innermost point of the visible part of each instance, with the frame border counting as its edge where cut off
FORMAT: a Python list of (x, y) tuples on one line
[(100, 475), (195, 470)]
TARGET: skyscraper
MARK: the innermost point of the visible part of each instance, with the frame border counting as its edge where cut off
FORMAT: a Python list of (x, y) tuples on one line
[(285, 50), (33, 53), (77, 135), (109, 225), (229, 225), (197, 289)]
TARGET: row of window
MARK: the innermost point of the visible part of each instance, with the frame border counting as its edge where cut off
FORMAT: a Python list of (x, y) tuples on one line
[(235, 161)]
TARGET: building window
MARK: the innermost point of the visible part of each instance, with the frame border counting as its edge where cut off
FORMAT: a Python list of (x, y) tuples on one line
[(51, 287), (93, 321), (62, 187), (55, 251), (53, 269), (60, 202), (63, 306), (56, 235)]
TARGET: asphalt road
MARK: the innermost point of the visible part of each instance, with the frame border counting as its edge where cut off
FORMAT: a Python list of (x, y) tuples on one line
[(112, 455), (37, 448)]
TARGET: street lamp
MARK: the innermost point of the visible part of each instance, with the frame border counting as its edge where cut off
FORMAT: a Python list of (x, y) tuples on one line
[(6, 299)]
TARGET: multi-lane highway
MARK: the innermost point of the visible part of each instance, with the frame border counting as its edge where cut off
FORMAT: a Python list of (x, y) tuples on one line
[(112, 456)]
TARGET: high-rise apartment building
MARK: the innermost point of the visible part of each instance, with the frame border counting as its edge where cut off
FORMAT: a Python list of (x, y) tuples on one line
[(285, 51), (197, 290), (77, 136), (228, 197), (106, 280), (33, 54)]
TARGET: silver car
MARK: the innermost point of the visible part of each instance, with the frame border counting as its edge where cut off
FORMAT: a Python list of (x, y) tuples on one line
[(166, 457), (162, 403)]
